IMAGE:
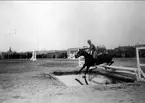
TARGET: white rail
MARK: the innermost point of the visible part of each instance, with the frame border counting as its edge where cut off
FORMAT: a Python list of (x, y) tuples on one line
[(140, 73)]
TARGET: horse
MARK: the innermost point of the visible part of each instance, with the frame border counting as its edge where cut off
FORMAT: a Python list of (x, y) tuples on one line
[(91, 61)]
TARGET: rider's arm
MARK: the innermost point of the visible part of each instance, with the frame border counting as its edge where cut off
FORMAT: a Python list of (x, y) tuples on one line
[(90, 50)]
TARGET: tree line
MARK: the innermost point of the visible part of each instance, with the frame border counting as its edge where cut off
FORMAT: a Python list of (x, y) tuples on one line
[(122, 51), (28, 55), (125, 52), (118, 52)]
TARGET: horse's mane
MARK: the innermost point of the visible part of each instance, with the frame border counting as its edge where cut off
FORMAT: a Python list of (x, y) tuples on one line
[(86, 53)]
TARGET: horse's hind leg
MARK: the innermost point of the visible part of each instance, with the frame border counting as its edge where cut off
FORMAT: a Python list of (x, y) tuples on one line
[(90, 71), (111, 63), (106, 68)]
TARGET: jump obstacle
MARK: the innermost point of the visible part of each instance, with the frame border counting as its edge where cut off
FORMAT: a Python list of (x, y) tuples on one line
[(33, 58), (140, 75)]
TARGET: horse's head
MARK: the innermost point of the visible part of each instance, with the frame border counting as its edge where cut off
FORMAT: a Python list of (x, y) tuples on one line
[(80, 53)]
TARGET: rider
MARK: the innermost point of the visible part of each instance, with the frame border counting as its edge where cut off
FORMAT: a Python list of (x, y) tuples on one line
[(92, 49)]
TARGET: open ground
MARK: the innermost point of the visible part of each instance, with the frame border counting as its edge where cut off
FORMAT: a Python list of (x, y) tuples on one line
[(25, 81)]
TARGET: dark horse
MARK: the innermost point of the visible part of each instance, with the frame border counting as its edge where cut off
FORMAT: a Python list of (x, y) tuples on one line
[(91, 61)]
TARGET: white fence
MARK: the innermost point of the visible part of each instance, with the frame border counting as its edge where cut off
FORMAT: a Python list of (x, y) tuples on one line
[(139, 72), (33, 58)]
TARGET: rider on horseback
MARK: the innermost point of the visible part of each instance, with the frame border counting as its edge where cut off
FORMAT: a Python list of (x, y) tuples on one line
[(92, 49)]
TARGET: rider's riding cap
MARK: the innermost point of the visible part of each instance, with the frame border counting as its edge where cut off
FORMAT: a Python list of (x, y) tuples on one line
[(89, 41)]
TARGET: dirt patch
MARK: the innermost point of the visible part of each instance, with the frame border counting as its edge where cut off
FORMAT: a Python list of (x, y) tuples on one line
[(50, 79)]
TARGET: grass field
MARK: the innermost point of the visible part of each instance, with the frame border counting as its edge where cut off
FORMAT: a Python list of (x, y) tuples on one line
[(20, 66)]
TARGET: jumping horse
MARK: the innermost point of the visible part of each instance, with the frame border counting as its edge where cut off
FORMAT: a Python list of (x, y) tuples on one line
[(91, 61)]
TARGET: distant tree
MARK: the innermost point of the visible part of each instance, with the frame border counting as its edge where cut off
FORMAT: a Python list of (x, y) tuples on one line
[(101, 49)]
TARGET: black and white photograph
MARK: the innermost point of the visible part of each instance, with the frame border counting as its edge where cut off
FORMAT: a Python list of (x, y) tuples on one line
[(72, 51)]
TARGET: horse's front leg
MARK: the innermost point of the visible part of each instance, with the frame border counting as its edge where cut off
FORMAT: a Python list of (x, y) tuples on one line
[(82, 68), (87, 69)]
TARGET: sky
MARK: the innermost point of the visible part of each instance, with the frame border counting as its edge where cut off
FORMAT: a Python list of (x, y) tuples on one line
[(59, 25)]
